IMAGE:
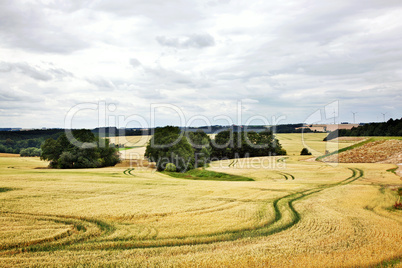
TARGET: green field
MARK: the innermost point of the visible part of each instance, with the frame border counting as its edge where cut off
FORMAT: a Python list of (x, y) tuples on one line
[(293, 213)]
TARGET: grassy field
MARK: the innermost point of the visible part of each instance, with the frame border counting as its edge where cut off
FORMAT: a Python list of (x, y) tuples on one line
[(293, 213)]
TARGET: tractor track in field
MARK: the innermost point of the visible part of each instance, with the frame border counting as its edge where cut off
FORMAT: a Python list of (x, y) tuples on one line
[(128, 172), (286, 175), (285, 217), (80, 229), (85, 232)]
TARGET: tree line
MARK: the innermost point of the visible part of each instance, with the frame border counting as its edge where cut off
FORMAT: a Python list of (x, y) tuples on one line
[(390, 128), (173, 149), (15, 141)]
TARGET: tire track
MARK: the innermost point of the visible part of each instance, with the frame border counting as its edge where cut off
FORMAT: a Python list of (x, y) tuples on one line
[(286, 175), (128, 172), (87, 230), (82, 229), (286, 216)]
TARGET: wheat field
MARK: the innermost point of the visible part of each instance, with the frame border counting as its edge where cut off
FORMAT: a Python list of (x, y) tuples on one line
[(294, 143), (294, 213)]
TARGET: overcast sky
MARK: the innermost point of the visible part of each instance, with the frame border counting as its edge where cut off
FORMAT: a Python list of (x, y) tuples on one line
[(213, 60)]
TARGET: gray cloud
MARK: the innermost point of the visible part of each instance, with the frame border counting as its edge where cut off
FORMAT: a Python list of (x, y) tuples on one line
[(201, 56), (29, 26), (34, 72), (163, 13), (135, 63), (190, 41)]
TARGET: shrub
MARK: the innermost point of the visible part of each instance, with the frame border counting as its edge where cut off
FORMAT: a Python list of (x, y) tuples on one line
[(170, 167), (305, 151)]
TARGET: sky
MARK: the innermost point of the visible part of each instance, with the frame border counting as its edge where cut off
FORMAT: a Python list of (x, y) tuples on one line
[(185, 62)]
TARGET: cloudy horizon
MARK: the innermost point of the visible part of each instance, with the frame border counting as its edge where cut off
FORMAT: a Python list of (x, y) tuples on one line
[(212, 60)]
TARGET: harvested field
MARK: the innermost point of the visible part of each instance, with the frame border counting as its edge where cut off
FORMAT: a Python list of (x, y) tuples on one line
[(393, 159), (382, 151)]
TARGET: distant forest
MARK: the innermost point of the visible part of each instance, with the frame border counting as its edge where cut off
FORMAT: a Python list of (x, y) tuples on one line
[(15, 141), (390, 128), (287, 128), (290, 128)]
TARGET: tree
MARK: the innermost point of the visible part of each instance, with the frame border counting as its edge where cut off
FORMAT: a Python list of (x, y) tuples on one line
[(229, 144), (201, 144), (169, 145), (63, 154), (305, 151), (187, 150)]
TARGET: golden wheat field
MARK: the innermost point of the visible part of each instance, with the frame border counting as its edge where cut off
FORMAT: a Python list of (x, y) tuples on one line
[(294, 143), (294, 214)]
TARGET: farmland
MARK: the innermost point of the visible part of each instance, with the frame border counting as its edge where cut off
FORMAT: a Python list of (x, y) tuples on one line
[(293, 213)]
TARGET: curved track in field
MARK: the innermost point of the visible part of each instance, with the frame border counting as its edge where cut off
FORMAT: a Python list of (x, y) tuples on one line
[(94, 234), (74, 230), (285, 217), (286, 176)]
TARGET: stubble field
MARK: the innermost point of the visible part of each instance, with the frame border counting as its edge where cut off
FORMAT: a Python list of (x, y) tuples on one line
[(294, 213)]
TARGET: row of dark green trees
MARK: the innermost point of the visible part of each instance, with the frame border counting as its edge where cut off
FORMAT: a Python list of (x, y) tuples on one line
[(188, 150), (390, 128)]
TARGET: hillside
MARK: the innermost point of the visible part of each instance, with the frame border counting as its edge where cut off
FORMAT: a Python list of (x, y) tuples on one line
[(380, 151)]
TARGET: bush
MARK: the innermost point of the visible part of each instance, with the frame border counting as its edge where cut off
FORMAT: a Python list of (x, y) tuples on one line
[(170, 167), (305, 151)]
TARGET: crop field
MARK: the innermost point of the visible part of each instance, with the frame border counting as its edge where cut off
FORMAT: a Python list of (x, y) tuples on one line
[(134, 146), (293, 213), (294, 143)]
